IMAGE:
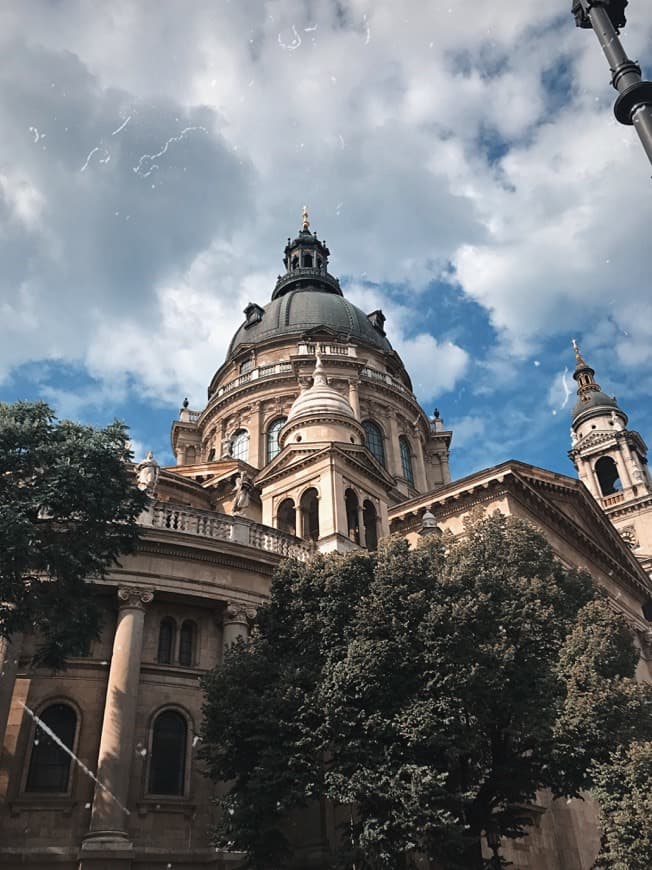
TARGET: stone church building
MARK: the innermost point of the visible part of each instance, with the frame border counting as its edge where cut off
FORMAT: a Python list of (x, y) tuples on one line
[(311, 439)]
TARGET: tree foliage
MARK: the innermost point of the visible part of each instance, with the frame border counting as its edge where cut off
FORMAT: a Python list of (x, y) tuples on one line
[(68, 509), (624, 789), (427, 693)]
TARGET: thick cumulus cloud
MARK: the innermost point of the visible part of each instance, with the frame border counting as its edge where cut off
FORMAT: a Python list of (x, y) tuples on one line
[(154, 156), (102, 197)]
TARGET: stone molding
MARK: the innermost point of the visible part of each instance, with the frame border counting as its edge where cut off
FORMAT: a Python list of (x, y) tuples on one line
[(134, 597)]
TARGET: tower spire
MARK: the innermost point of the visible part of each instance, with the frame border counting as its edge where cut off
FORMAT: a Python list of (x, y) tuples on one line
[(584, 375), (304, 216)]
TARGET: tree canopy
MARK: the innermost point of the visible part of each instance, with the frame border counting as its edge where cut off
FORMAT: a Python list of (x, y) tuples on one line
[(427, 693), (68, 509)]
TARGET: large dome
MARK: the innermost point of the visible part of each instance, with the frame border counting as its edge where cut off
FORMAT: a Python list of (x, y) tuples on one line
[(306, 308)]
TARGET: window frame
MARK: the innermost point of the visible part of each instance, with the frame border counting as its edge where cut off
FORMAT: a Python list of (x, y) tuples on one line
[(240, 435), (382, 459), (29, 748), (407, 466), (173, 640), (269, 433), (187, 760), (193, 643)]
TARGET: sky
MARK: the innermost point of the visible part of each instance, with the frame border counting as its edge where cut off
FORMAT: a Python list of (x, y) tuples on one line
[(461, 158)]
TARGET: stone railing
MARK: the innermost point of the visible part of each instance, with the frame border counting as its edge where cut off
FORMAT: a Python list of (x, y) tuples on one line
[(616, 498), (310, 348), (221, 527), (266, 371), (384, 378)]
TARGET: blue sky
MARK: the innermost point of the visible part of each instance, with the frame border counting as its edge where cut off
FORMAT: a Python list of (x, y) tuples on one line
[(461, 159)]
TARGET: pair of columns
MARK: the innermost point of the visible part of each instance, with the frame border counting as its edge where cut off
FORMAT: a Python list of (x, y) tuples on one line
[(107, 843)]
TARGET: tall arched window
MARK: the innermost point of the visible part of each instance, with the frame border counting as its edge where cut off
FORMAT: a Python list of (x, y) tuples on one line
[(370, 519), (166, 634), (187, 643), (273, 430), (374, 440), (310, 514), (607, 474), (240, 445), (406, 459), (353, 526), (49, 764), (286, 517), (167, 767)]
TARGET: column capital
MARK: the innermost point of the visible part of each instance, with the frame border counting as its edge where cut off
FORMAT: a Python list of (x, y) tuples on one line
[(134, 597), (237, 612)]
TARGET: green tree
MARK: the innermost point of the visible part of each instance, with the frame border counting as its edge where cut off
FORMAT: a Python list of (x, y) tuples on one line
[(68, 509), (623, 787), (428, 693)]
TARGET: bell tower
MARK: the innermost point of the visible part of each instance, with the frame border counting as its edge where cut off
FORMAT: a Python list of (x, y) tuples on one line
[(611, 460)]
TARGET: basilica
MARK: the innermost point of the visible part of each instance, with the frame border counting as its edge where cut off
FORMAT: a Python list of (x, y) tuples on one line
[(311, 439)]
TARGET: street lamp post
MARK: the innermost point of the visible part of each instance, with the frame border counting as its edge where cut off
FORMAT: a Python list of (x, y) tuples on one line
[(634, 102)]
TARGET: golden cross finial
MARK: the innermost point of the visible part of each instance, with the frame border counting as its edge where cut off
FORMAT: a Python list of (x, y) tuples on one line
[(306, 222), (578, 356)]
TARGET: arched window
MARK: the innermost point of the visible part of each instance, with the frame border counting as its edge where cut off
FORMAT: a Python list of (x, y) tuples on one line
[(187, 643), (353, 526), (240, 445), (374, 440), (406, 459), (49, 764), (370, 520), (607, 474), (310, 515), (167, 767), (273, 431), (166, 633), (307, 261), (286, 517)]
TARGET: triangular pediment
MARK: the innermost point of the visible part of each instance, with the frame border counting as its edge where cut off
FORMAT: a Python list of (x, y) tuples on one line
[(294, 457)]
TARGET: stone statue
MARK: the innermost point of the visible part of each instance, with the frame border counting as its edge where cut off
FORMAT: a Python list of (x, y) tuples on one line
[(226, 450), (242, 490), (573, 436), (148, 472)]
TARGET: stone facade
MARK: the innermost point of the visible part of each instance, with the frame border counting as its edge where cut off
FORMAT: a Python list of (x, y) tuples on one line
[(311, 439)]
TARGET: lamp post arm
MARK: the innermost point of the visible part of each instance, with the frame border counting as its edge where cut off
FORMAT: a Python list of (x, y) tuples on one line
[(634, 103)]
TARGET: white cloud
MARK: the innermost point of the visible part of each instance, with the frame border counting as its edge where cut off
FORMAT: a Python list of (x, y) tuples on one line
[(391, 123)]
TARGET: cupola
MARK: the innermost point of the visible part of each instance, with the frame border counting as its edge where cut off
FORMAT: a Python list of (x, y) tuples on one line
[(306, 263), (320, 413)]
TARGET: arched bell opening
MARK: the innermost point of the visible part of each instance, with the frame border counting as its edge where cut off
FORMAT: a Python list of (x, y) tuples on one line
[(352, 518), (310, 515), (607, 473), (286, 517), (370, 519)]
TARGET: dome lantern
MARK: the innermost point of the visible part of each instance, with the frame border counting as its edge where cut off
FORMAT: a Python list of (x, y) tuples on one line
[(306, 263)]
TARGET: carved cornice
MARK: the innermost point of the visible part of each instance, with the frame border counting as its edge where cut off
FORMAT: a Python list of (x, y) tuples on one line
[(134, 597)]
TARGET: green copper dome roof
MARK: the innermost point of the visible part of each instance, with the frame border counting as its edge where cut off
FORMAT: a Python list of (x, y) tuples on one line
[(302, 309)]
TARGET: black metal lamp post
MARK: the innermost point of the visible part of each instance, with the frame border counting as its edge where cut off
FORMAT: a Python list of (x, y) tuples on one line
[(634, 103)]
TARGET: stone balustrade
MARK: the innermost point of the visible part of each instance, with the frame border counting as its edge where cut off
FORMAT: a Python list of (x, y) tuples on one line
[(222, 527)]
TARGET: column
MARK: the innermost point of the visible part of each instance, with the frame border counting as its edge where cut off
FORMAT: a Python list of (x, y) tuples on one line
[(9, 654), (393, 453), (354, 398), (236, 621), (361, 528), (256, 436), (108, 827), (421, 482)]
